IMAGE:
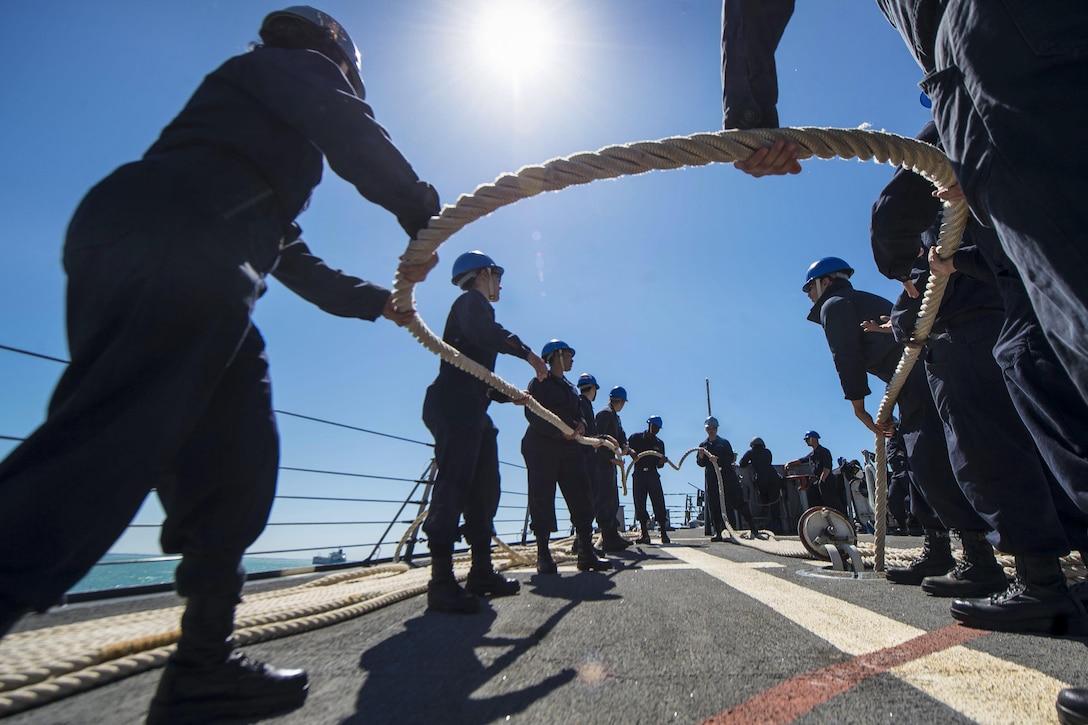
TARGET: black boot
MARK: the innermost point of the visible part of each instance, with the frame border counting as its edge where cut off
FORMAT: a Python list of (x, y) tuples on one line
[(444, 594), (587, 559), (483, 580), (1037, 601), (936, 560), (544, 562), (645, 538), (206, 680), (977, 575), (1072, 706), (611, 541)]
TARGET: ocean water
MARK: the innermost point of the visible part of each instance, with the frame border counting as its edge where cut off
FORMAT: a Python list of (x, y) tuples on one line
[(118, 576)]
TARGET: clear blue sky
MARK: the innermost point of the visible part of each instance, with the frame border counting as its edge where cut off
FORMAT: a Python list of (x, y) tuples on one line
[(659, 281)]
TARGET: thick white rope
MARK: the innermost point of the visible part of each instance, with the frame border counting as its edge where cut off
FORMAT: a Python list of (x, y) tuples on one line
[(678, 152)]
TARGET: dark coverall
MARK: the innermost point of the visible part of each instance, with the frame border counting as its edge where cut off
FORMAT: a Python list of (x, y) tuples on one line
[(734, 496), (646, 481), (550, 458), (900, 482), (829, 491), (597, 483), (771, 487), (168, 387), (607, 504), (840, 311), (992, 452), (455, 411), (989, 66)]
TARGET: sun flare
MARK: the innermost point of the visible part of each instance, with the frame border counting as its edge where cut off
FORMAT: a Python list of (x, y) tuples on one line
[(514, 38)]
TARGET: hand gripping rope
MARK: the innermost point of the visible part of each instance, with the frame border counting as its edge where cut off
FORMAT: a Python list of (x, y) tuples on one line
[(678, 152)]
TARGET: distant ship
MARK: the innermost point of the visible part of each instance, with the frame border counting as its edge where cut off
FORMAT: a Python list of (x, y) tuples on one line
[(333, 557)]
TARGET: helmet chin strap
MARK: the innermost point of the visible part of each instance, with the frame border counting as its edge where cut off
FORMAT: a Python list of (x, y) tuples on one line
[(492, 293)]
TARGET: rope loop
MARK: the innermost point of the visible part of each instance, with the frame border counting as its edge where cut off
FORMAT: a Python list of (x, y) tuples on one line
[(689, 151)]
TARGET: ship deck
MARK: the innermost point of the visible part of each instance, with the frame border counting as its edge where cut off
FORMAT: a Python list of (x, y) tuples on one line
[(686, 633)]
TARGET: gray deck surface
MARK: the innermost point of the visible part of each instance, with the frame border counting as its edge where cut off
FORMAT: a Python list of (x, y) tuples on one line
[(654, 641)]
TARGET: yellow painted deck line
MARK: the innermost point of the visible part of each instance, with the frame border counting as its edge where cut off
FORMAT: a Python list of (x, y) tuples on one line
[(985, 688)]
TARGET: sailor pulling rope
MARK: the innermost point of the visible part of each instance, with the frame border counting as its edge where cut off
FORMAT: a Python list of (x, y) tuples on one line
[(696, 150)]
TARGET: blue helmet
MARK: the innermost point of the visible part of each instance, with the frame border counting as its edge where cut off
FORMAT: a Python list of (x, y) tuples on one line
[(554, 345), (346, 47), (824, 267), (710, 422), (811, 434), (585, 380), (470, 262), (618, 393), (654, 420)]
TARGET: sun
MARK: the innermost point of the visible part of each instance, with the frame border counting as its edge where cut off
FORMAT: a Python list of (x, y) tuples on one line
[(514, 38)]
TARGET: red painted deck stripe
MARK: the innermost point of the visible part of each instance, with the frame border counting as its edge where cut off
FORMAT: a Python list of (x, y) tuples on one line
[(786, 702)]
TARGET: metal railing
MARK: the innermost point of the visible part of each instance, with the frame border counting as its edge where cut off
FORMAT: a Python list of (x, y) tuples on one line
[(512, 528)]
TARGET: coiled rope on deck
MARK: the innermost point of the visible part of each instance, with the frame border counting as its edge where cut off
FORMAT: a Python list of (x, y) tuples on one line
[(684, 151), (42, 665)]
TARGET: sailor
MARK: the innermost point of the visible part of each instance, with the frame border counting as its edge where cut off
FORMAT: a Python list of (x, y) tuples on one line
[(975, 57), (554, 458), (599, 482), (900, 482), (717, 450), (822, 488), (607, 504), (466, 451), (168, 386), (840, 310), (982, 62), (768, 482), (646, 479), (992, 451)]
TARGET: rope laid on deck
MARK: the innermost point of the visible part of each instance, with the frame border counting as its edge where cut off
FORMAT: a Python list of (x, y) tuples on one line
[(39, 666)]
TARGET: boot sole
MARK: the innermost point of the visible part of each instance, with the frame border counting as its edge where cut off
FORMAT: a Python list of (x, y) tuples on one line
[(914, 578), (594, 567), (1068, 717), (1060, 625), (980, 592)]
